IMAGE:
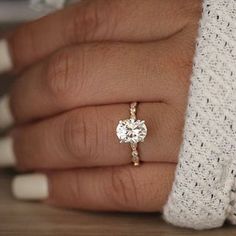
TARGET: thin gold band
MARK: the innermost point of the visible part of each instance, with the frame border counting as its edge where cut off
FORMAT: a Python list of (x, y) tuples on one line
[(134, 146)]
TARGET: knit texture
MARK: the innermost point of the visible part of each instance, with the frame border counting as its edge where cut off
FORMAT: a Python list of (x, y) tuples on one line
[(204, 192)]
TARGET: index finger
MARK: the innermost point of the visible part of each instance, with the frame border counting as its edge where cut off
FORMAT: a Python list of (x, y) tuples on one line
[(95, 20)]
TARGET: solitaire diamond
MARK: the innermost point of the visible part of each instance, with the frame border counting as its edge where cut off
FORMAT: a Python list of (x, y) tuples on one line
[(131, 131)]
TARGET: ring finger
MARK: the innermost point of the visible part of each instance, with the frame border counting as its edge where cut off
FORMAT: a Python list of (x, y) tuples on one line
[(86, 137)]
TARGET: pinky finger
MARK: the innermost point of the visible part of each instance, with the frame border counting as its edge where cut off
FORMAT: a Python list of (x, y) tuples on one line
[(123, 188)]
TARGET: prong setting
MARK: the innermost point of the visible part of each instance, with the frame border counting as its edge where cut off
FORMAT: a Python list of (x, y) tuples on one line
[(132, 131)]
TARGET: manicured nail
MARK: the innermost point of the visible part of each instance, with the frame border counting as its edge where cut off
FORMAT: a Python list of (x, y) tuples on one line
[(7, 156), (5, 56), (6, 118), (30, 187)]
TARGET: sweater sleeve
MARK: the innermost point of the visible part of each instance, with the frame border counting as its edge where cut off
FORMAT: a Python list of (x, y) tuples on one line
[(204, 192)]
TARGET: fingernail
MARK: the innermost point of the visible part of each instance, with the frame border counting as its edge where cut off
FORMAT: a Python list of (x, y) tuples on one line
[(6, 118), (5, 56), (7, 156), (30, 187)]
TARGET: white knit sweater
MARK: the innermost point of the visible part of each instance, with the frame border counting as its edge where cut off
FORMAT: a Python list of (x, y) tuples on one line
[(204, 191)]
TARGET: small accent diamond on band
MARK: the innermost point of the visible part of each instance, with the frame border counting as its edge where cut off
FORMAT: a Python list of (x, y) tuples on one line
[(132, 131)]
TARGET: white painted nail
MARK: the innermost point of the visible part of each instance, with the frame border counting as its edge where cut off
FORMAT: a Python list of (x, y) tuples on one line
[(7, 156), (5, 56), (30, 187), (6, 118)]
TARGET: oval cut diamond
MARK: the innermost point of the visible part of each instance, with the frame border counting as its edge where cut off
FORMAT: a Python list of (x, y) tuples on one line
[(131, 131)]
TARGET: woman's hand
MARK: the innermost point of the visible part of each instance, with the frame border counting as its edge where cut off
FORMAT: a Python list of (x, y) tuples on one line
[(78, 71)]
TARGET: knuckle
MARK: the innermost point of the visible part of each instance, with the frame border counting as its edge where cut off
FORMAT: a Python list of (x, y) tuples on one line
[(194, 10), (80, 138), (182, 64), (176, 124), (91, 20), (168, 122), (73, 186), (59, 76), (190, 10), (185, 67), (124, 191), (174, 128), (89, 138), (75, 135)]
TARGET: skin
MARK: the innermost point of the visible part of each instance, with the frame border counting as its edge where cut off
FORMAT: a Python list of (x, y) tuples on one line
[(78, 70)]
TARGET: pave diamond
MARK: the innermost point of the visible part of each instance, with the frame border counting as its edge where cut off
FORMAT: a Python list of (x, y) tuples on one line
[(131, 131)]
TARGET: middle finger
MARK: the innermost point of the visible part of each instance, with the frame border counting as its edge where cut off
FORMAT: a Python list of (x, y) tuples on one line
[(100, 74)]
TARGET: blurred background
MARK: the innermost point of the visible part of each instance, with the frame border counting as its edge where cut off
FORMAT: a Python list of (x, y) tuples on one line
[(12, 11)]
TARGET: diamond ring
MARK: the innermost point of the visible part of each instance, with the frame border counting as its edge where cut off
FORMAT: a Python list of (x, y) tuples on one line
[(132, 131)]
